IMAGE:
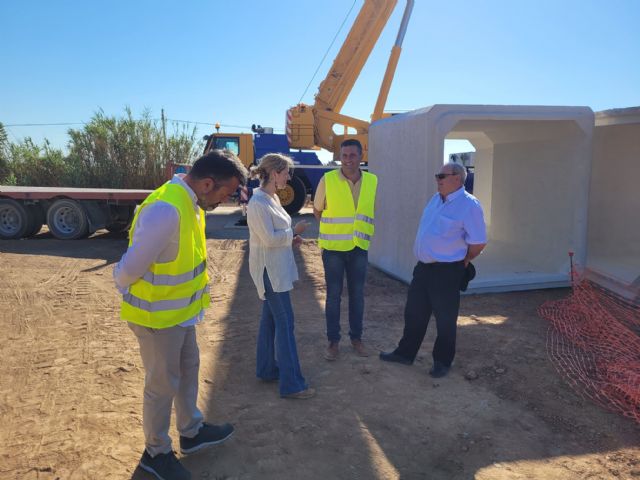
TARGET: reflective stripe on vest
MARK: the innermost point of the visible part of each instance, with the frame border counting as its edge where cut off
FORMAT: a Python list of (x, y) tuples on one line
[(364, 218), (173, 292), (162, 305), (343, 226), (335, 236), (347, 220), (156, 279)]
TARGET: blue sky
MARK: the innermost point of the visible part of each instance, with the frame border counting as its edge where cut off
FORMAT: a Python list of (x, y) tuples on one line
[(246, 61)]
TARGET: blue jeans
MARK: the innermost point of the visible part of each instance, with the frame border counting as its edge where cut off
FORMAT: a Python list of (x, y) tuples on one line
[(277, 356), (354, 263)]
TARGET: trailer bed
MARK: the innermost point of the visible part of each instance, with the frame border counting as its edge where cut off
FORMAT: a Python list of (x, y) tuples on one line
[(44, 193)]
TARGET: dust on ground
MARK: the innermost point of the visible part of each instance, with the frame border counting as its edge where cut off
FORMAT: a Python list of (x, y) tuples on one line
[(71, 382)]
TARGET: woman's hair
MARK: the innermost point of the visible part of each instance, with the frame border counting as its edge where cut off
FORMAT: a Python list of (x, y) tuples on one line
[(271, 162)]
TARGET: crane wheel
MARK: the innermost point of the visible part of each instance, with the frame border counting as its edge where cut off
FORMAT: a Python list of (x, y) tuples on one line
[(293, 196)]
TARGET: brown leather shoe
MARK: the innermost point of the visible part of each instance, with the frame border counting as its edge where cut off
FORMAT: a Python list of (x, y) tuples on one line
[(359, 348), (332, 352), (302, 395)]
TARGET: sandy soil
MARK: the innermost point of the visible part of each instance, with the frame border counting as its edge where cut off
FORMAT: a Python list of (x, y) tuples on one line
[(71, 383)]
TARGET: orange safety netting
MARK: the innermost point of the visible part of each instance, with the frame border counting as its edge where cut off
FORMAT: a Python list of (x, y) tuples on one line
[(594, 342)]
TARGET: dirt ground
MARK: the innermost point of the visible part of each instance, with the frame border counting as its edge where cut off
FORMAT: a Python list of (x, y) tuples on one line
[(71, 382)]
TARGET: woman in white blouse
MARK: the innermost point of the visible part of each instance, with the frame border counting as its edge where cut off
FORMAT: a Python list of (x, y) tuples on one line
[(273, 270)]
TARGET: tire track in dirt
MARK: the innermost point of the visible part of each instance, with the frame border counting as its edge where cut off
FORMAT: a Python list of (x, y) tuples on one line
[(65, 305), (71, 385), (225, 259)]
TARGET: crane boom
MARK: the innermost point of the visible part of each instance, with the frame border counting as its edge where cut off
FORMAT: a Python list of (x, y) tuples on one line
[(346, 68), (312, 127)]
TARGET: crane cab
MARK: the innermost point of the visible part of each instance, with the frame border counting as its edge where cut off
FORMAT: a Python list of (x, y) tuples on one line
[(239, 143)]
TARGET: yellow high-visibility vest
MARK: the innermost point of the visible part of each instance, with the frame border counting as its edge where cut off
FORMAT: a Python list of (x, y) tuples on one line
[(343, 226), (173, 292)]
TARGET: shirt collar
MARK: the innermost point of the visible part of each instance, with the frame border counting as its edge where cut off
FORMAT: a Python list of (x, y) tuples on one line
[(453, 195), (260, 192), (178, 179), (342, 177)]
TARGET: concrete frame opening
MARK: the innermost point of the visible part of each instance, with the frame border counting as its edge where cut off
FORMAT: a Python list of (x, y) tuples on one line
[(613, 259), (532, 167)]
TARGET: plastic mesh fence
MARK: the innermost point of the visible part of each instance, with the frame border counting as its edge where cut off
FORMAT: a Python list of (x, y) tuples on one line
[(594, 342)]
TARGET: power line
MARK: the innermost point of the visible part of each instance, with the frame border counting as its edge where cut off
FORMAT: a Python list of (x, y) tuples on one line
[(245, 127), (43, 124), (226, 125), (327, 52), (12, 134)]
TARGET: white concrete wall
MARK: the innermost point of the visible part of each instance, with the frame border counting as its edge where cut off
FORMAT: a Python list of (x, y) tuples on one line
[(482, 178), (532, 176), (614, 203)]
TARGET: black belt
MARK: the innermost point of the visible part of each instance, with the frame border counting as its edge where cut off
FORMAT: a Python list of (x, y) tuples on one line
[(440, 263)]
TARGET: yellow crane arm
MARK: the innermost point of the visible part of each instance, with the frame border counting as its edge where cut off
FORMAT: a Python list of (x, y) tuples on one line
[(312, 127), (364, 33)]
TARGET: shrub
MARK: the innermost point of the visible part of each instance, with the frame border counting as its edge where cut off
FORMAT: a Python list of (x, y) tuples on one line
[(127, 153), (35, 165)]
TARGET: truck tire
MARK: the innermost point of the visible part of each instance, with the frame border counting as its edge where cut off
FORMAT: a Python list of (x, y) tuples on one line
[(14, 219), (293, 196), (67, 220), (36, 220), (123, 219)]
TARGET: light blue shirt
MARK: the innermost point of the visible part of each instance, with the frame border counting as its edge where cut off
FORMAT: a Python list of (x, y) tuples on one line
[(448, 227)]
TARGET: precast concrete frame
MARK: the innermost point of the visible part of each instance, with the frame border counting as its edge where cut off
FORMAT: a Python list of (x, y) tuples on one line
[(532, 172), (613, 257)]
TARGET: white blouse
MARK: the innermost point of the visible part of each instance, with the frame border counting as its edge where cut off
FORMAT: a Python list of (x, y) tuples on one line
[(270, 237)]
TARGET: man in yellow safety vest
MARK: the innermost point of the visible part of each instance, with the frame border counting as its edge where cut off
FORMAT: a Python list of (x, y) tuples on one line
[(164, 284), (345, 206)]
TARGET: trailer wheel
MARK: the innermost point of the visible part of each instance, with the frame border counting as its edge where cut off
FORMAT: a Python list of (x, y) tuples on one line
[(36, 220), (67, 220), (14, 219), (293, 196)]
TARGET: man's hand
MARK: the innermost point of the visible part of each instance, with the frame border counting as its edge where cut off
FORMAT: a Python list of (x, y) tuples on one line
[(297, 241), (300, 227)]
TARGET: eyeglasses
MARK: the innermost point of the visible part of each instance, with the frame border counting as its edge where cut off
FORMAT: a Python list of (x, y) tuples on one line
[(442, 176)]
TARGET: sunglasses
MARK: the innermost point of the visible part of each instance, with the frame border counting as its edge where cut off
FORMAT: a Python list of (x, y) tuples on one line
[(442, 176)]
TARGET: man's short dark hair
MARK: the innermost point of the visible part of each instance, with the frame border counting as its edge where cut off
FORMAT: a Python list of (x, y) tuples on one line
[(352, 142), (221, 165)]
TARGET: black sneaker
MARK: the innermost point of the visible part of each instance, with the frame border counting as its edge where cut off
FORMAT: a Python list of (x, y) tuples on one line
[(207, 435), (438, 370), (395, 358), (164, 466)]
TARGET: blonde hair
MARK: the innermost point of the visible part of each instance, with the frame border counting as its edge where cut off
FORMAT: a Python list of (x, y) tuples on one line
[(271, 162)]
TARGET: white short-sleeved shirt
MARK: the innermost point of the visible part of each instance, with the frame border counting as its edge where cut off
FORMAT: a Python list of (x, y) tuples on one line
[(270, 237), (448, 227)]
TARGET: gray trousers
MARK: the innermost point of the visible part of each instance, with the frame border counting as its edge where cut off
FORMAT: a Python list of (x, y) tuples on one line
[(171, 361)]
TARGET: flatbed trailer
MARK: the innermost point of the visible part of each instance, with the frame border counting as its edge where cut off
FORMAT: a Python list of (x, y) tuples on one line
[(69, 213)]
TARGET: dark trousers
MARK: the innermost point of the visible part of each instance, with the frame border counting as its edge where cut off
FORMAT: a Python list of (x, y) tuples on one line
[(435, 288), (336, 264)]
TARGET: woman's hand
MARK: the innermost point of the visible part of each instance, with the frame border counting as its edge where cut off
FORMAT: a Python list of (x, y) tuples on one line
[(297, 241), (300, 227)]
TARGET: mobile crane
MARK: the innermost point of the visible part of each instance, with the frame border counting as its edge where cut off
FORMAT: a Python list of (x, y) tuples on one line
[(72, 213), (312, 127)]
